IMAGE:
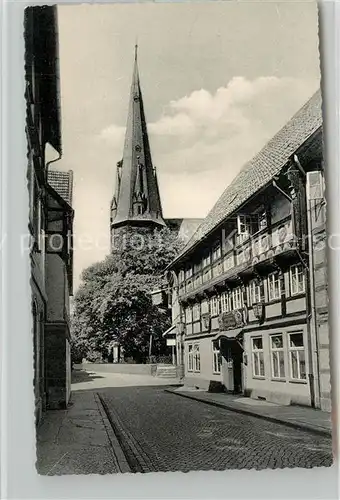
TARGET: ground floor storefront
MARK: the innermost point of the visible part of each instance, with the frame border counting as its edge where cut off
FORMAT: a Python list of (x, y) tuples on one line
[(272, 364)]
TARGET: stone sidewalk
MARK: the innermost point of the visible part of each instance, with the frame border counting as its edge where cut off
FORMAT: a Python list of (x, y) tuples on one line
[(299, 417), (79, 440)]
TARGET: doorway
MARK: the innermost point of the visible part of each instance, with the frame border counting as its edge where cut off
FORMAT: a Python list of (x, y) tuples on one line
[(232, 352)]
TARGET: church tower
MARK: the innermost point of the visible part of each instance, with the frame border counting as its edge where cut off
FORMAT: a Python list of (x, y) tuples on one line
[(136, 205)]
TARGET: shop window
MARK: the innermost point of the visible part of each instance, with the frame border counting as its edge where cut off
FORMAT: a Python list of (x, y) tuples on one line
[(225, 302), (196, 312), (254, 292), (277, 356), (274, 286), (297, 279), (190, 358), (257, 356), (197, 358), (297, 356), (188, 315), (237, 298), (214, 306), (217, 359)]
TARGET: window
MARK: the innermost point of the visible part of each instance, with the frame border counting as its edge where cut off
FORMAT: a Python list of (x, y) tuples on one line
[(190, 358), (228, 262), (188, 273), (274, 286), (315, 185), (216, 253), (297, 356), (196, 312), (262, 221), (237, 298), (251, 224), (188, 315), (206, 260), (181, 277), (215, 306), (225, 302), (198, 281), (197, 358), (254, 292), (277, 356), (297, 279), (257, 355), (217, 360), (243, 228)]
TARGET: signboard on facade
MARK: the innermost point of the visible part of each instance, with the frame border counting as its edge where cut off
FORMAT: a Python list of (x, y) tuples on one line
[(232, 319), (170, 342)]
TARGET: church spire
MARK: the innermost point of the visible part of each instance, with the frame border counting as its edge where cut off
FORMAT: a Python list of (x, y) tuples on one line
[(137, 201)]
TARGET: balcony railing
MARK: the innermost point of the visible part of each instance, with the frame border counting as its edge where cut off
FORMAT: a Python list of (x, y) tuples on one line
[(258, 248)]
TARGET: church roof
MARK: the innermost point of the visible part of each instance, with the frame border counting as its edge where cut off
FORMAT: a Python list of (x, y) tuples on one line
[(62, 183), (262, 168), (137, 180)]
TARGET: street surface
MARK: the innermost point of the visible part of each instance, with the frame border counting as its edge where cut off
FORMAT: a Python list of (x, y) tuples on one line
[(159, 431)]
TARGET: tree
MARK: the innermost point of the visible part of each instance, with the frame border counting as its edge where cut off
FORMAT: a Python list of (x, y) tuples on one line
[(114, 302)]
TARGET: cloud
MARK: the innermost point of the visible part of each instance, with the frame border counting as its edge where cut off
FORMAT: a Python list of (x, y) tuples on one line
[(218, 131), (114, 134), (201, 140)]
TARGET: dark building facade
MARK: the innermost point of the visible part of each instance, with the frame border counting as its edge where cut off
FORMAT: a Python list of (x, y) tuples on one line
[(249, 290), (42, 128)]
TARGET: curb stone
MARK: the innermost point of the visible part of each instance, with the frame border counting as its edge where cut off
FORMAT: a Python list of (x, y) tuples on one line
[(276, 420), (119, 456)]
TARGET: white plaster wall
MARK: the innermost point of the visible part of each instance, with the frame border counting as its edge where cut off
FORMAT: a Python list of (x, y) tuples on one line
[(283, 391)]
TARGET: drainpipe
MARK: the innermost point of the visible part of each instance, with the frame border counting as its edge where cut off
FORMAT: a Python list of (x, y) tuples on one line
[(310, 303)]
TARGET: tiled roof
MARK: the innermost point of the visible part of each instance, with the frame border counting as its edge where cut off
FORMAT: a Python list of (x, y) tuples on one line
[(263, 167), (62, 183)]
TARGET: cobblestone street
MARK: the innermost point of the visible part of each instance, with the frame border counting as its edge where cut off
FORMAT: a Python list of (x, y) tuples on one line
[(159, 431)]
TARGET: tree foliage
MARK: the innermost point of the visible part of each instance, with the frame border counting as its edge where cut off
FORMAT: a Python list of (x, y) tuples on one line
[(114, 302)]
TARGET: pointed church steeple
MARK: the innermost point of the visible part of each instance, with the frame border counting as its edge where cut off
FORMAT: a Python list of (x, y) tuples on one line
[(136, 201)]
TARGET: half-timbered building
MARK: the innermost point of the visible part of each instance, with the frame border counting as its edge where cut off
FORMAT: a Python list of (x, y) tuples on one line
[(247, 317)]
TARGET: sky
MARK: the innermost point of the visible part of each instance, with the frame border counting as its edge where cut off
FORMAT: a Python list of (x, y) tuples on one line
[(219, 79)]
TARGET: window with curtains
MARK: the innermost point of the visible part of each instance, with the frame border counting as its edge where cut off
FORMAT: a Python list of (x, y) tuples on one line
[(297, 279), (217, 359), (274, 286), (190, 358), (254, 292), (237, 298), (277, 356), (197, 358), (257, 356), (297, 356), (188, 315), (225, 302), (217, 252), (196, 312), (215, 306)]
